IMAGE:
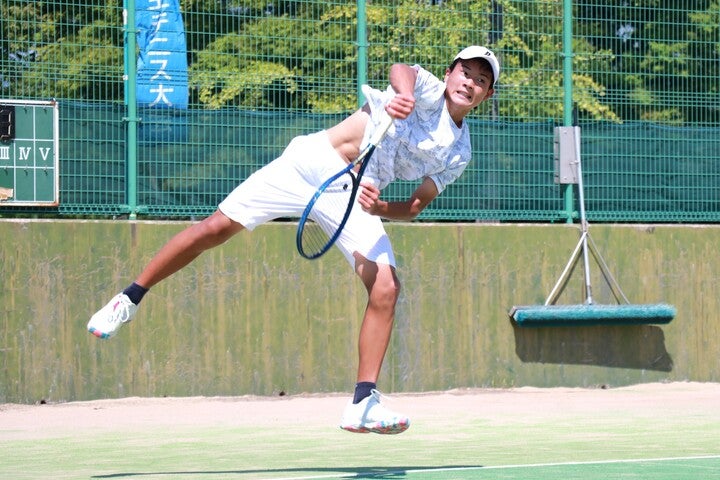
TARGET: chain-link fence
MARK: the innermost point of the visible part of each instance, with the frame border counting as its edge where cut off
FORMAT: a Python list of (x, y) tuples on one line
[(165, 106)]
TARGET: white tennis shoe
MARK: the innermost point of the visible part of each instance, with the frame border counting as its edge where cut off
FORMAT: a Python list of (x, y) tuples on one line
[(108, 320), (369, 416)]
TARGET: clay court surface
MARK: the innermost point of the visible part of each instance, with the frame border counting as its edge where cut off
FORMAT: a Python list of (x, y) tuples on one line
[(658, 431)]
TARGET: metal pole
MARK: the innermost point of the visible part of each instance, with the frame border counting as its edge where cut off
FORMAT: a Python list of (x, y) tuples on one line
[(583, 220), (362, 44), (567, 94), (130, 81)]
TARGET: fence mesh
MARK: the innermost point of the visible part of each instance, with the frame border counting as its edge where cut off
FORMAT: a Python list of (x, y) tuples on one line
[(640, 77)]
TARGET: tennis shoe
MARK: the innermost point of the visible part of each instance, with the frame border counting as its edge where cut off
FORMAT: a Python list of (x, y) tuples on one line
[(108, 320), (369, 416)]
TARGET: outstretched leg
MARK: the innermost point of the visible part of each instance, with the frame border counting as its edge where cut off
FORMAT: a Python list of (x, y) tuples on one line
[(186, 246), (182, 249)]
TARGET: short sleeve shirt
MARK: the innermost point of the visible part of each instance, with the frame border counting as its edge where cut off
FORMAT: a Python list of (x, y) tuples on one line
[(426, 144)]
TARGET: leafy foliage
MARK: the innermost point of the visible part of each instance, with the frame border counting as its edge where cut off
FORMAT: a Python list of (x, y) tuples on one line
[(629, 61)]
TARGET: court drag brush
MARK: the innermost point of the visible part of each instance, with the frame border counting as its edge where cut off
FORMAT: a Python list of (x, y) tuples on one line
[(567, 140)]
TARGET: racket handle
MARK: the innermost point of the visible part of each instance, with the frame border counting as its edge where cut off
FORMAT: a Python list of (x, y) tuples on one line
[(381, 129)]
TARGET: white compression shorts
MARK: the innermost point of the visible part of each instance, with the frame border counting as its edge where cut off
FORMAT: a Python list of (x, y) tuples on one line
[(283, 188)]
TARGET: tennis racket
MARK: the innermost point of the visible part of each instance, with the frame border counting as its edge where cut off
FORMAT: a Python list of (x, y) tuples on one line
[(329, 208)]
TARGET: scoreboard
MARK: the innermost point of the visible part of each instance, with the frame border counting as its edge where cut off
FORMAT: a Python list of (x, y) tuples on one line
[(29, 153)]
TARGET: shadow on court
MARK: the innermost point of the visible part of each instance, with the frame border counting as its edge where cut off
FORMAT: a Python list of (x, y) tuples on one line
[(358, 472), (636, 346)]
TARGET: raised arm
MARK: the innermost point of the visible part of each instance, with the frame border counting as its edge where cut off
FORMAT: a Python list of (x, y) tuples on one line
[(402, 80)]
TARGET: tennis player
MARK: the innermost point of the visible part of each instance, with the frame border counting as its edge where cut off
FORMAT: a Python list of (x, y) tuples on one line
[(429, 141)]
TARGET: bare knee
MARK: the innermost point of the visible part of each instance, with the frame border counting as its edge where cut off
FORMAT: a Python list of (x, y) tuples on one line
[(384, 292), (215, 230)]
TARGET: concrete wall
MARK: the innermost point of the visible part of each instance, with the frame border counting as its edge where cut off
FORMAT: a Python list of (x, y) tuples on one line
[(252, 317)]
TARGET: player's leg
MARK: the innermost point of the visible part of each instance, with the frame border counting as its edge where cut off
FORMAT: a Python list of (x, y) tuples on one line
[(365, 413), (182, 249), (367, 247), (383, 289), (186, 246), (279, 189)]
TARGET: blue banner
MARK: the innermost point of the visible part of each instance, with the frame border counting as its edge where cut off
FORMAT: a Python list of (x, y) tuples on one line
[(162, 78)]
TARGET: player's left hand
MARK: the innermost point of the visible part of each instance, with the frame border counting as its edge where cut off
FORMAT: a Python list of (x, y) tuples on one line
[(369, 198)]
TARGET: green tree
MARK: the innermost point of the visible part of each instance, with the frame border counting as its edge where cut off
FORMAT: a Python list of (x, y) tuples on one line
[(659, 51), (62, 50), (649, 60)]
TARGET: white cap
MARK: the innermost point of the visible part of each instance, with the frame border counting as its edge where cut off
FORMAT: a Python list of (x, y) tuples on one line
[(481, 53)]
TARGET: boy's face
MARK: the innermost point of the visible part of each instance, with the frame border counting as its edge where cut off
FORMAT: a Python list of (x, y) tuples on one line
[(468, 84)]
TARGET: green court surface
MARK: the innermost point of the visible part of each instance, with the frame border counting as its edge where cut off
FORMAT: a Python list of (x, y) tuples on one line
[(655, 431)]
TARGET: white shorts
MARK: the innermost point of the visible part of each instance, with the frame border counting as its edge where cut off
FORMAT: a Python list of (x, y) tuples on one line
[(283, 188)]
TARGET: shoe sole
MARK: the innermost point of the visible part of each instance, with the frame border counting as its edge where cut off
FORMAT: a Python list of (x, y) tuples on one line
[(98, 333), (392, 429)]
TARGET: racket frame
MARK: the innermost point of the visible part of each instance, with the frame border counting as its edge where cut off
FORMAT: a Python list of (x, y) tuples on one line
[(361, 160)]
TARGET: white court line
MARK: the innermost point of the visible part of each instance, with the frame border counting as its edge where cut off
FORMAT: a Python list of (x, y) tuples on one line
[(502, 467)]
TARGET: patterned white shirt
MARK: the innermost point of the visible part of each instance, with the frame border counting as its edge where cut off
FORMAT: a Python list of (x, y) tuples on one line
[(426, 144)]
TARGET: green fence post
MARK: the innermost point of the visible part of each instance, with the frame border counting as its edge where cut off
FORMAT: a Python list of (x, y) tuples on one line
[(567, 95), (130, 46), (362, 45)]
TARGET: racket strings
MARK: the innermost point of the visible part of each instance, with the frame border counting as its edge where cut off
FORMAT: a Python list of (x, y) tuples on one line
[(326, 215)]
